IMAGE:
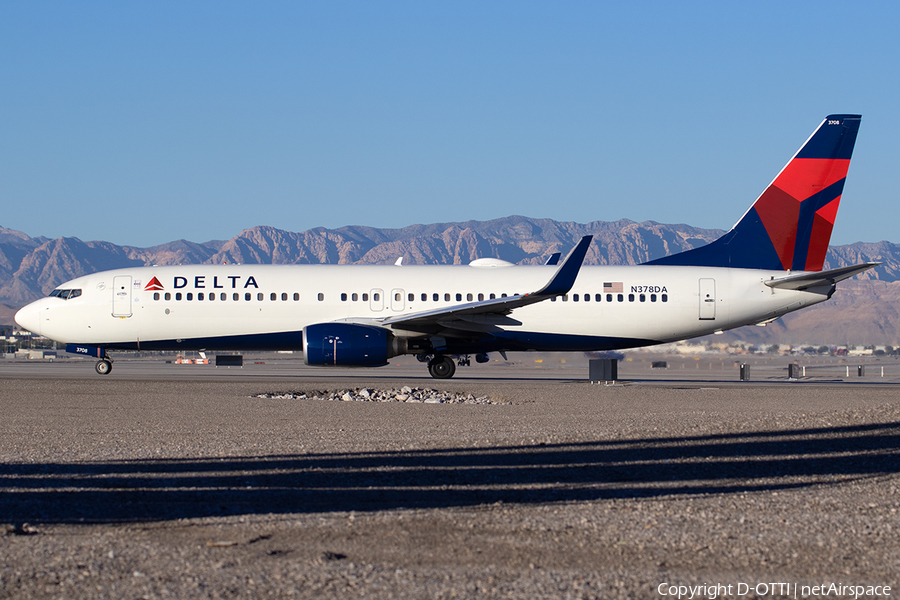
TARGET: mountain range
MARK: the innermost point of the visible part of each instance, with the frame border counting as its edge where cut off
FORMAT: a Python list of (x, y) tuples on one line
[(863, 311)]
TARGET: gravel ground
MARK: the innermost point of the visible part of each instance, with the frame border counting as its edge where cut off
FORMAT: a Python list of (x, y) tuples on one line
[(155, 488)]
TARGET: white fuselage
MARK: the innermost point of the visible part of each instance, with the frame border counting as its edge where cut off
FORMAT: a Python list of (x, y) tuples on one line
[(267, 306)]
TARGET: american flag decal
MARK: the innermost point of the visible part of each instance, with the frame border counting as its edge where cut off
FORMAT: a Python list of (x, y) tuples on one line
[(612, 287)]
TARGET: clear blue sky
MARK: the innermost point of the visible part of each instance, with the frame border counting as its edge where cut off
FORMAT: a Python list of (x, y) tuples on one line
[(145, 122)]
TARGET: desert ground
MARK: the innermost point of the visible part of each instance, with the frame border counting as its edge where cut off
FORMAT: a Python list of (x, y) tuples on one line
[(191, 481)]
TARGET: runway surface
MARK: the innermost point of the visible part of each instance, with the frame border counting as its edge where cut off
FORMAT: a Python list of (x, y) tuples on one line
[(165, 480)]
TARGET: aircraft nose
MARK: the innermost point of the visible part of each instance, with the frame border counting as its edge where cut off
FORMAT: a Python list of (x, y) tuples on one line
[(29, 318)]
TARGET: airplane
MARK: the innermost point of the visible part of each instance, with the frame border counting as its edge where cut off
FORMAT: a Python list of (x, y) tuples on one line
[(769, 264)]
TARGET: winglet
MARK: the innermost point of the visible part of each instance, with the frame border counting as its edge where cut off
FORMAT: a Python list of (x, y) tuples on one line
[(560, 284), (565, 276)]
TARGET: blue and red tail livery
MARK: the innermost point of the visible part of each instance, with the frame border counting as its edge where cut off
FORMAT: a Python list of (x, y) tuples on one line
[(789, 225)]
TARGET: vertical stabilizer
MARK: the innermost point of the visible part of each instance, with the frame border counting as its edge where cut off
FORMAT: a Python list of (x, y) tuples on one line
[(789, 225)]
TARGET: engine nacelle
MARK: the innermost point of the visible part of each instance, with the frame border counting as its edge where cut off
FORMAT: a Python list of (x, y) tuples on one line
[(349, 345)]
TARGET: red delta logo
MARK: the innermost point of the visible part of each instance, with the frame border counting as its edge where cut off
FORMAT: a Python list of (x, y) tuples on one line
[(153, 284)]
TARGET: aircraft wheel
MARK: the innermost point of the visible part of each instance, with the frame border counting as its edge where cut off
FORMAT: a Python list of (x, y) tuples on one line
[(103, 367), (442, 367)]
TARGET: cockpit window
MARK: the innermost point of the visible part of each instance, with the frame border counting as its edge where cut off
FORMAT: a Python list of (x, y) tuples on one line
[(65, 294)]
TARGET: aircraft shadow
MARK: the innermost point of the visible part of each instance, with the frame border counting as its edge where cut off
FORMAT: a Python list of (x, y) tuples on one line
[(165, 489)]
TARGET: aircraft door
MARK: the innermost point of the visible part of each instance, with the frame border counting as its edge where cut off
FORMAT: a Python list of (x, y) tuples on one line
[(376, 300), (121, 296), (398, 302), (707, 299)]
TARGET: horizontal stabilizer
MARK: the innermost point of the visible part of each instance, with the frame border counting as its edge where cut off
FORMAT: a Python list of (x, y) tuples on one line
[(818, 279)]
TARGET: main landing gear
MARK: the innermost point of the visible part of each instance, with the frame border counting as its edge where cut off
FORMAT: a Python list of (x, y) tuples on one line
[(441, 367), (103, 366)]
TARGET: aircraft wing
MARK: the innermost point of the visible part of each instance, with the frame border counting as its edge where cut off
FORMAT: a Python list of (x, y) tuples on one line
[(819, 278), (494, 312)]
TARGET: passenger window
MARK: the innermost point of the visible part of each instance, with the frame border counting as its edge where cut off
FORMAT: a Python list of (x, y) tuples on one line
[(620, 298), (273, 296), (631, 297), (168, 296), (652, 297), (343, 297), (260, 296), (156, 295), (480, 297), (565, 298), (459, 297), (321, 297), (574, 297), (200, 295), (235, 296), (223, 297), (599, 297), (365, 297), (411, 297), (469, 297), (190, 296), (178, 295), (424, 297), (664, 298), (354, 297), (643, 297), (435, 297), (212, 296), (398, 297), (296, 296), (446, 297), (376, 297), (493, 296), (247, 297)]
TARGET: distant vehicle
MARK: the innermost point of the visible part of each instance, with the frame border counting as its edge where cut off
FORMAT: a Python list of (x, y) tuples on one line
[(769, 264)]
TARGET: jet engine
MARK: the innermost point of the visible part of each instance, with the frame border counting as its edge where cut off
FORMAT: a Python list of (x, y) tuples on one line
[(349, 345)]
